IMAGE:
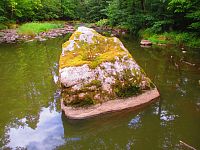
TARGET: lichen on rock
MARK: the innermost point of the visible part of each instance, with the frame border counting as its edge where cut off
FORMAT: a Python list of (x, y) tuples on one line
[(94, 69)]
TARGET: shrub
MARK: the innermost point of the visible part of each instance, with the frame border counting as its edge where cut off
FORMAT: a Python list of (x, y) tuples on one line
[(102, 22), (2, 26)]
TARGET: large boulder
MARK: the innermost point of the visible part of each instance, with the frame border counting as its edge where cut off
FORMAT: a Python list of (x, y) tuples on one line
[(94, 69)]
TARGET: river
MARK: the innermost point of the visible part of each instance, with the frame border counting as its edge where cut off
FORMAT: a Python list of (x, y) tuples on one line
[(30, 102)]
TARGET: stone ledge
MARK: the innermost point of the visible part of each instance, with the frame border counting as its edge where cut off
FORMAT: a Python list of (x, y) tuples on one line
[(110, 106)]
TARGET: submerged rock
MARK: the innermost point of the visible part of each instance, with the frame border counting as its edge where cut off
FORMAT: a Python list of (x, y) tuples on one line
[(94, 69), (145, 42)]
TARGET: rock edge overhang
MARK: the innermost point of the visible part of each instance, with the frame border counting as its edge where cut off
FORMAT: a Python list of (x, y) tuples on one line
[(110, 106)]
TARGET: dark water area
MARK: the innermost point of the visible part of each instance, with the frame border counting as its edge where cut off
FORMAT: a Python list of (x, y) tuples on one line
[(30, 102)]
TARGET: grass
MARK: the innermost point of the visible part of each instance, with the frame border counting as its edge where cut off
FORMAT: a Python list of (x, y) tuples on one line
[(158, 39), (34, 28)]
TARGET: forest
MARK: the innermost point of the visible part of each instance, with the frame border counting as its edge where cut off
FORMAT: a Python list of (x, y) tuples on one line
[(134, 15), (148, 18)]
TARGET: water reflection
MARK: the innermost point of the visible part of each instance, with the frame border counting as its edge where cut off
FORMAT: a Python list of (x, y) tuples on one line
[(134, 123), (28, 98), (47, 135), (165, 116)]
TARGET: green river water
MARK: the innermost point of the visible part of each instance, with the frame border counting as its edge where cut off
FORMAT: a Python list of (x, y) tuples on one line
[(30, 115)]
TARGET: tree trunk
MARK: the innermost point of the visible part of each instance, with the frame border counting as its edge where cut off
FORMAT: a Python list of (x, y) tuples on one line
[(143, 5)]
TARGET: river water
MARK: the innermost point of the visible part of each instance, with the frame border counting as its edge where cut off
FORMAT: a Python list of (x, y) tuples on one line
[(30, 115)]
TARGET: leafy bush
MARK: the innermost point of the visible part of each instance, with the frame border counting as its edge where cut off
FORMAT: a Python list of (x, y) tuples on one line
[(102, 22), (2, 26), (160, 26)]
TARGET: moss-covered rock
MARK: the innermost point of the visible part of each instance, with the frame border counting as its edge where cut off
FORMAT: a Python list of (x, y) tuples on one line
[(94, 69)]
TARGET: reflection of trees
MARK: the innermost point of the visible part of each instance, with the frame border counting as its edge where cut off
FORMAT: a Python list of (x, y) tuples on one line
[(26, 83)]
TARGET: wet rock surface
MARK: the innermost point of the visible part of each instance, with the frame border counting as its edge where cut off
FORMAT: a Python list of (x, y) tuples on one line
[(8, 36), (94, 69)]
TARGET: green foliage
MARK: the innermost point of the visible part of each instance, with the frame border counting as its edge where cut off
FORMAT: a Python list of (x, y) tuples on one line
[(2, 26), (195, 16), (32, 10), (160, 26), (102, 22), (95, 10), (35, 28), (179, 6), (186, 13), (68, 9), (134, 15)]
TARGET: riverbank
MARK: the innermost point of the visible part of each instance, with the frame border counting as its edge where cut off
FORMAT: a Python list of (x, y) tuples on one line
[(183, 39), (14, 35)]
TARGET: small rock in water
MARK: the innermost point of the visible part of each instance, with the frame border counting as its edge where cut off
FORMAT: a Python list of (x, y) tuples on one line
[(145, 42), (30, 41), (184, 52), (42, 39)]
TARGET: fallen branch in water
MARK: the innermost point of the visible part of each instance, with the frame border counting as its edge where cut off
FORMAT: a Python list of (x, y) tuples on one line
[(187, 146), (188, 63)]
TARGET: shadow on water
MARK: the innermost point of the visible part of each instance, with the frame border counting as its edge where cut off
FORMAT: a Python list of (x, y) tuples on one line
[(30, 102)]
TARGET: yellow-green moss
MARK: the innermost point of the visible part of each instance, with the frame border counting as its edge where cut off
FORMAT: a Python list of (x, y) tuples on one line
[(75, 36), (96, 83), (102, 49)]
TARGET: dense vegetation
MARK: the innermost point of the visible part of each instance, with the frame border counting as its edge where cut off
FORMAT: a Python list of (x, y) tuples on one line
[(154, 17)]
